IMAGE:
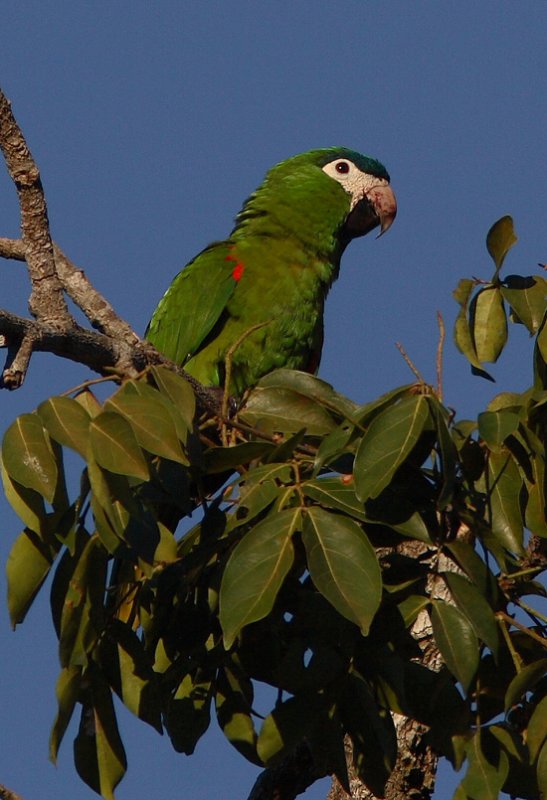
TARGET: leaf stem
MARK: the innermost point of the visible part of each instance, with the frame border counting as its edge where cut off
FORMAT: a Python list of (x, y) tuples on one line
[(409, 362), (517, 660), (439, 360), (522, 628)]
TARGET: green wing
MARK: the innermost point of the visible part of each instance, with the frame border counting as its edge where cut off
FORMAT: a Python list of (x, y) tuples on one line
[(193, 304)]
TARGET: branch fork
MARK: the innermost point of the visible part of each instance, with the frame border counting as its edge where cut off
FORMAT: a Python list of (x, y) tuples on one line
[(112, 346)]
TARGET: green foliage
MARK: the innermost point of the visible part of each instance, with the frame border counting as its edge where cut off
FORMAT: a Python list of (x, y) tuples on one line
[(308, 571)]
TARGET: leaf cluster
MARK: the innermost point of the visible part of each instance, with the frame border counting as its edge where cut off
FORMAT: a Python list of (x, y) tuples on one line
[(324, 533)]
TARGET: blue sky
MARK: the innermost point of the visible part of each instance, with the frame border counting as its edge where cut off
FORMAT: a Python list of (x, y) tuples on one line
[(151, 123)]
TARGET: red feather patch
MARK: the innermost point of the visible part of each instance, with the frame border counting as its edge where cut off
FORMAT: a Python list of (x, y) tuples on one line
[(238, 271), (239, 268)]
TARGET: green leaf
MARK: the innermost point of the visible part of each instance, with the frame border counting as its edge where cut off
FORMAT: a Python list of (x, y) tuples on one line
[(488, 323), (152, 424), (413, 527), (188, 711), (334, 493), (63, 575), (60, 502), (67, 422), (343, 565), (258, 488), (312, 387), (372, 732), (326, 742), (505, 488), (68, 691), (366, 413), (83, 606), (27, 503), (476, 608), (178, 391), (483, 780), (411, 606), (456, 640), (288, 724), (234, 698), (475, 568), (115, 447), (511, 401), (541, 338), (255, 572), (28, 457), (537, 729), (510, 740), (524, 682), (333, 445), (434, 700), (166, 547), (542, 771), (499, 240), (89, 402), (496, 426), (103, 510), (28, 566), (535, 514), (99, 755), (447, 451), (388, 441), (276, 409), (253, 499), (284, 451), (220, 459), (172, 409), (462, 331), (527, 298), (130, 673), (265, 472)]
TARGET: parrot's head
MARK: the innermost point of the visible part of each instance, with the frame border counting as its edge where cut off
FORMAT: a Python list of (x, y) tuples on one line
[(330, 191), (365, 181)]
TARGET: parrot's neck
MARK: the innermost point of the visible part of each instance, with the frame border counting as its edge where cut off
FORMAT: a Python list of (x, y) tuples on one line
[(303, 231)]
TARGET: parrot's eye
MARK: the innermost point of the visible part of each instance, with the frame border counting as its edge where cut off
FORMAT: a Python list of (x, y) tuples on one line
[(346, 173)]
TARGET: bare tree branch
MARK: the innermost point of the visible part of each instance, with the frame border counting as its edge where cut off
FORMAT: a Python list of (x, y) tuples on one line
[(101, 353), (46, 301), (7, 794)]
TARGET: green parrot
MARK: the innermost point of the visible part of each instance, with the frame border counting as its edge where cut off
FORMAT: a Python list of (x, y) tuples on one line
[(256, 299)]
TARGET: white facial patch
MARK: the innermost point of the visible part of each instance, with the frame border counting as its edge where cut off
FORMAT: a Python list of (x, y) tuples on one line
[(355, 182)]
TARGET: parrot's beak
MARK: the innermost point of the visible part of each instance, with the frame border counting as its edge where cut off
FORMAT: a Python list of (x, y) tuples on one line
[(378, 206), (384, 204)]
